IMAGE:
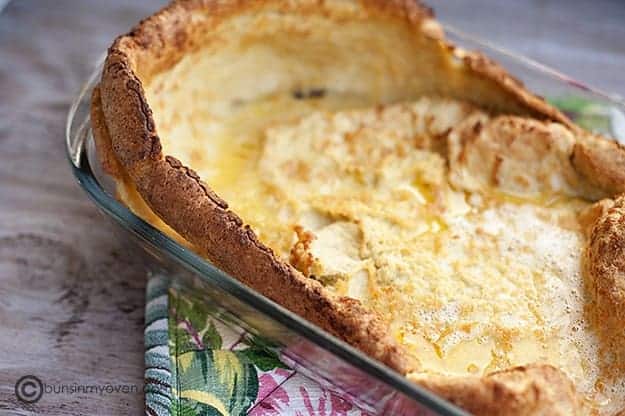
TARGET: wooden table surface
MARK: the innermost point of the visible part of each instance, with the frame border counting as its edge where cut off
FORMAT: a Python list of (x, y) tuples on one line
[(71, 294)]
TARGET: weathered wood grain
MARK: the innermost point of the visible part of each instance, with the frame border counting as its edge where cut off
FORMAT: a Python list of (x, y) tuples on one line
[(71, 297), (71, 294)]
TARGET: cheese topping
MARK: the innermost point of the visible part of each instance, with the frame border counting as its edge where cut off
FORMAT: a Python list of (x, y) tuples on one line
[(471, 275)]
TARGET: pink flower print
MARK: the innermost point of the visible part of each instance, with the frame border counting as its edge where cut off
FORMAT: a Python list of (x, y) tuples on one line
[(325, 404), (275, 400)]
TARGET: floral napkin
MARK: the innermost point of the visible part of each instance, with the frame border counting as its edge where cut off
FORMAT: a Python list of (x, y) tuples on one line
[(197, 365)]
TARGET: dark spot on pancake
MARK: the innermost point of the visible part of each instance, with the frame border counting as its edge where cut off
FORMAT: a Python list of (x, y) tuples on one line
[(309, 94)]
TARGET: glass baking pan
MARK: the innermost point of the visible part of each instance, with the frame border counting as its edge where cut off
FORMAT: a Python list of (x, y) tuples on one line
[(301, 345)]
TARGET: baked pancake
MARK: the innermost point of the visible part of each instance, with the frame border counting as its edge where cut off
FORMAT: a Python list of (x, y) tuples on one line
[(405, 195)]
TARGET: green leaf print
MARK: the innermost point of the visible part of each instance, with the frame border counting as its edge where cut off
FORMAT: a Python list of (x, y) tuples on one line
[(571, 103), (222, 381), (211, 337), (181, 338), (590, 114), (264, 358), (191, 327), (185, 407)]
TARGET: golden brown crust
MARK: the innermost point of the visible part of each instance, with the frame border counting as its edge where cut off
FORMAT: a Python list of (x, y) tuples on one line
[(300, 257), (531, 104), (178, 196), (102, 142), (601, 161), (605, 271), (526, 390), (590, 215)]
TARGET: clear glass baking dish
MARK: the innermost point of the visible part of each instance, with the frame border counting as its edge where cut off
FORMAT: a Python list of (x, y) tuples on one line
[(305, 347)]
